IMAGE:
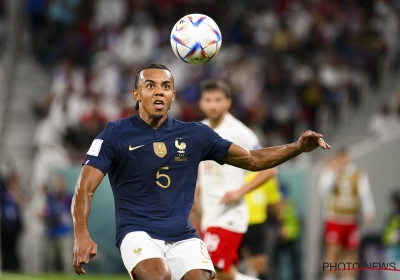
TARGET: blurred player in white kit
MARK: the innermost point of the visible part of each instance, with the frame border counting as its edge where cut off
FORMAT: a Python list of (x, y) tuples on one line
[(220, 189)]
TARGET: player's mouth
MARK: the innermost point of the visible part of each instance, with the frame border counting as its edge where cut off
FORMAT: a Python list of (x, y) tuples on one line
[(159, 104)]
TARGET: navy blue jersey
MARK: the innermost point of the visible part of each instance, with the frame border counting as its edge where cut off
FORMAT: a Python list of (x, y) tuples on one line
[(153, 173)]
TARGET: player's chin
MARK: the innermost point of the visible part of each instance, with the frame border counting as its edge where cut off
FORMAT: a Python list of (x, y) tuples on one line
[(214, 116), (158, 114)]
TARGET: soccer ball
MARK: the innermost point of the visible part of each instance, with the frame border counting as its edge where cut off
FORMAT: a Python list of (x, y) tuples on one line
[(196, 38)]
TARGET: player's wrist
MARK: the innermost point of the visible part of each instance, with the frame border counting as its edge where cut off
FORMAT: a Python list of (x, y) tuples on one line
[(81, 233), (297, 147), (242, 191)]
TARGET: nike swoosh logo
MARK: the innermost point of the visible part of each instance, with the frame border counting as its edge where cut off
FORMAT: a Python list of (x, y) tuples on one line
[(134, 148)]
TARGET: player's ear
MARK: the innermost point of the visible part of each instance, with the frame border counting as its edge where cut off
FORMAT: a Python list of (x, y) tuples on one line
[(201, 104), (174, 95), (228, 103), (135, 95)]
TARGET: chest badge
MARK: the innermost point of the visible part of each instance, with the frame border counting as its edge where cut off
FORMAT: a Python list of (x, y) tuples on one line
[(181, 146), (160, 149)]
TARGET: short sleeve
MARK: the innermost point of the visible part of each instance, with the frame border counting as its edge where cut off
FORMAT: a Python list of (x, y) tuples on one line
[(214, 147), (250, 139), (103, 152)]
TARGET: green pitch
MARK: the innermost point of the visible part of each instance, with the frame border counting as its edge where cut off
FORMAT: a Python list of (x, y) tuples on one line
[(15, 276)]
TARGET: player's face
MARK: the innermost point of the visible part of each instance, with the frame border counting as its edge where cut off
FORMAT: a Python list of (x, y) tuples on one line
[(215, 104), (155, 93)]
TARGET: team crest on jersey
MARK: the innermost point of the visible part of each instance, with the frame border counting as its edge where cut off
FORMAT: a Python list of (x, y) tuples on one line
[(181, 150), (181, 146), (160, 149)]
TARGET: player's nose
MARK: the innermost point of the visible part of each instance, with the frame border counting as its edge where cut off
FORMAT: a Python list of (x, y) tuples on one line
[(158, 90)]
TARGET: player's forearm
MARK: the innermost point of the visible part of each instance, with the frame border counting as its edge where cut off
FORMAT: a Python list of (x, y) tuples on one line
[(277, 209), (258, 180), (257, 160), (270, 157), (87, 183), (80, 210)]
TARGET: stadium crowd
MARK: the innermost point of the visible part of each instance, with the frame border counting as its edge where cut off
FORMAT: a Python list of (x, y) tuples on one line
[(286, 60)]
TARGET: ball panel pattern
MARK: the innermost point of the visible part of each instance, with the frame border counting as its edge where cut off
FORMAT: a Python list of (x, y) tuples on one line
[(195, 39)]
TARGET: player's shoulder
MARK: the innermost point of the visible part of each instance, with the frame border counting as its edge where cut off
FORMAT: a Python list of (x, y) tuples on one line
[(205, 121), (118, 124), (191, 125), (239, 126), (197, 130), (119, 127)]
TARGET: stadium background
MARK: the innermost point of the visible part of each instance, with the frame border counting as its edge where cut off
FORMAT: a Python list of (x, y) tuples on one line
[(67, 68)]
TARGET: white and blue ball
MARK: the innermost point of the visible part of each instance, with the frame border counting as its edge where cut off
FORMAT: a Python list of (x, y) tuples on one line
[(196, 38)]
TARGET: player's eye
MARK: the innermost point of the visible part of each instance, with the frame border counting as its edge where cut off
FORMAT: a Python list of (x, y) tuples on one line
[(150, 86), (166, 87)]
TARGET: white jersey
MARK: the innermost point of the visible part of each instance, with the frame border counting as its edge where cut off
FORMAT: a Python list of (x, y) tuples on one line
[(215, 180)]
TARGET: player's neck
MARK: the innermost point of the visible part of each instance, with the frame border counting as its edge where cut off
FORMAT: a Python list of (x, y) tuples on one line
[(214, 123), (154, 121)]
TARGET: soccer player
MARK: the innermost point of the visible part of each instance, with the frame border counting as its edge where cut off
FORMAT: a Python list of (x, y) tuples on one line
[(224, 215), (346, 191), (152, 162)]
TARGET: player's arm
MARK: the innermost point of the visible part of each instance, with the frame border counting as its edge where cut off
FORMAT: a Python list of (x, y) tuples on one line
[(84, 247), (326, 181), (277, 210), (258, 180), (366, 198), (196, 204), (256, 160)]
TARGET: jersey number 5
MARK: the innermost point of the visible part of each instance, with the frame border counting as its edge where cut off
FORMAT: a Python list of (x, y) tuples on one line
[(159, 175)]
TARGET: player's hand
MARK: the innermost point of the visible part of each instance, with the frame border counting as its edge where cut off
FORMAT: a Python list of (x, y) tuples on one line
[(232, 196), (84, 249), (311, 140)]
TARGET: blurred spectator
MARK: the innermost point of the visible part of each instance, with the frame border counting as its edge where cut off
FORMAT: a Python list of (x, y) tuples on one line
[(92, 122), (299, 20), (63, 14), (253, 247), (264, 23), (332, 76), (137, 41), (391, 233), (288, 245), (311, 94), (11, 201), (36, 10), (384, 122), (273, 228), (110, 14), (58, 221), (386, 22), (346, 191)]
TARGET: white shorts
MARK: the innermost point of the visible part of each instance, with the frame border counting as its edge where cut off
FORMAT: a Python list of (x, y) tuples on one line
[(181, 256)]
